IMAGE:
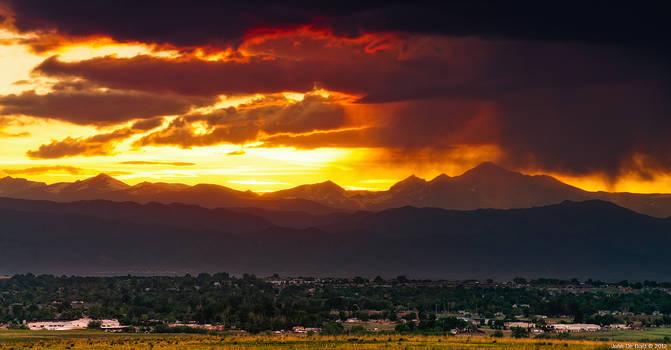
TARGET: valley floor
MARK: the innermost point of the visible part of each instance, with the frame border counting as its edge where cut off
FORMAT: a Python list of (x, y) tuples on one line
[(98, 340)]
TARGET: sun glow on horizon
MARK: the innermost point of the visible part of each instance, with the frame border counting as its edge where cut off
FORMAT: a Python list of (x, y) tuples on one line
[(255, 164)]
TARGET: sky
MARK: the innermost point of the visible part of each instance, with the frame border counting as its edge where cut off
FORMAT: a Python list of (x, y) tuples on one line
[(271, 95)]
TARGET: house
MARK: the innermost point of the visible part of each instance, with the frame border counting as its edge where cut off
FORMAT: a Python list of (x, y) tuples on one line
[(303, 330), (207, 326), (110, 325), (469, 320), (619, 326), (575, 327), (525, 325)]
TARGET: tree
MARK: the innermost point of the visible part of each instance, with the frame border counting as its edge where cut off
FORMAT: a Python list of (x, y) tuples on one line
[(333, 328), (520, 280), (519, 332), (449, 323), (359, 280), (94, 324), (402, 279), (666, 320), (405, 327), (496, 324), (357, 330), (497, 334), (410, 316)]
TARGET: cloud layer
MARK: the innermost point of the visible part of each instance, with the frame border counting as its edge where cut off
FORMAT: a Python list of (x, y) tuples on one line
[(97, 145), (244, 124), (95, 107), (216, 23), (572, 87)]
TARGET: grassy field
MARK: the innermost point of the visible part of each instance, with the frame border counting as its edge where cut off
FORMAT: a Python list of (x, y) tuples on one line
[(98, 340), (641, 335)]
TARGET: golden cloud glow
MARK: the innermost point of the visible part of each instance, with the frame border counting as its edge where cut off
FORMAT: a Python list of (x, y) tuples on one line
[(108, 47), (252, 165), (16, 62), (256, 182)]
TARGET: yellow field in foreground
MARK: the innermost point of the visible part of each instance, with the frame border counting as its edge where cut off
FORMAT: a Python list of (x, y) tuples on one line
[(98, 340)]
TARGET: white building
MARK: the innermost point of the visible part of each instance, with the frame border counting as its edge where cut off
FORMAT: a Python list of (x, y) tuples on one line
[(50, 325), (64, 325)]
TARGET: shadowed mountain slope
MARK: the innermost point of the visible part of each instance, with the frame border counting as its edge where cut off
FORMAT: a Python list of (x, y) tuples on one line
[(172, 215), (572, 239)]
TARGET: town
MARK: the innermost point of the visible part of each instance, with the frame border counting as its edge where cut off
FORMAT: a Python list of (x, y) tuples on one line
[(540, 308)]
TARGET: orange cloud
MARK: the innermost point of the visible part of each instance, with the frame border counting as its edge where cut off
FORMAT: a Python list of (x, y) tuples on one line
[(85, 106), (549, 103), (45, 169), (245, 123), (97, 145)]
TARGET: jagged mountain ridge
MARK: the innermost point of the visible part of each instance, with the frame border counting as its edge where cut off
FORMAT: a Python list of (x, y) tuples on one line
[(107, 188), (485, 186)]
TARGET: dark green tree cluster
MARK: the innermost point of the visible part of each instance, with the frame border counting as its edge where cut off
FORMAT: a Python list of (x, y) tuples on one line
[(254, 304)]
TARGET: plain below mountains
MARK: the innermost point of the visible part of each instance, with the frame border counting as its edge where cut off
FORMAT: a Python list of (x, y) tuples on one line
[(485, 186), (593, 238)]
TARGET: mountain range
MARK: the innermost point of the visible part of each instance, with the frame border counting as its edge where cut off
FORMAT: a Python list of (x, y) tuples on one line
[(593, 238), (106, 187), (485, 186), (486, 223)]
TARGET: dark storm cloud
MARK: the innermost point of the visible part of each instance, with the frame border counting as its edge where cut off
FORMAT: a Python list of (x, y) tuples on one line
[(568, 108), (604, 129), (572, 87), (96, 107), (609, 129), (167, 22), (187, 76), (434, 67), (225, 23), (432, 124)]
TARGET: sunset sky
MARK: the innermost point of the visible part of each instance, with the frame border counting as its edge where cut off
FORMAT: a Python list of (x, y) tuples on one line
[(272, 96)]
